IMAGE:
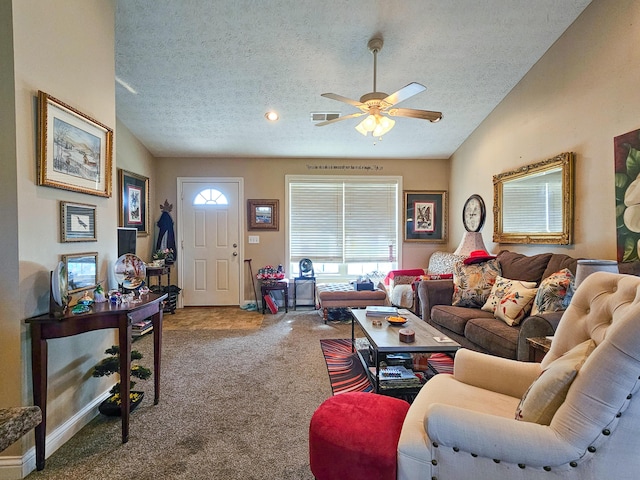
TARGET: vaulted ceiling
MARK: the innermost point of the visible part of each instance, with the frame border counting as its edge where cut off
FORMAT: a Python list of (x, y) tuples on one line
[(195, 77)]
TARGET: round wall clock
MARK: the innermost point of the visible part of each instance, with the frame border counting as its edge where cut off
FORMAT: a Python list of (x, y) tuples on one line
[(473, 213)]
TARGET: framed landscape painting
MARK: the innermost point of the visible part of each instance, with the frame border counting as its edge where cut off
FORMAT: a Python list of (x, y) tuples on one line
[(425, 216), (75, 151), (134, 201)]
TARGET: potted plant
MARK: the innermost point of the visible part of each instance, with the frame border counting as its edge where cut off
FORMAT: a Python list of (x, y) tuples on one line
[(107, 366), (164, 256)]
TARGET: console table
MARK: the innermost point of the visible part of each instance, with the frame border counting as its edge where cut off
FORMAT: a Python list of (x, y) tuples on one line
[(102, 316)]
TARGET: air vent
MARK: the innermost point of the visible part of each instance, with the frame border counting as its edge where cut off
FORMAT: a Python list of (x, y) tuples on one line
[(324, 116)]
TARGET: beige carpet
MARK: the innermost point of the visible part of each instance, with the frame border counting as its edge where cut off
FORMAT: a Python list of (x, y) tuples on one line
[(212, 318)]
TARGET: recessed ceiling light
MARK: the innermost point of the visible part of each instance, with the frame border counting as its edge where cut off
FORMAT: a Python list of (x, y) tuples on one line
[(272, 116)]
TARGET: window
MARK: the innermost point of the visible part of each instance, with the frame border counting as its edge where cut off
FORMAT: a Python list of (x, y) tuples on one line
[(348, 226), (210, 196)]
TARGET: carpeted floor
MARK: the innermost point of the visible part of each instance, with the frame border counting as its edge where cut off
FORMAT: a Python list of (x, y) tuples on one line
[(235, 404)]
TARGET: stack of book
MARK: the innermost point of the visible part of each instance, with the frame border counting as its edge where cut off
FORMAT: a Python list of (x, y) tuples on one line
[(140, 328), (380, 311), (397, 377)]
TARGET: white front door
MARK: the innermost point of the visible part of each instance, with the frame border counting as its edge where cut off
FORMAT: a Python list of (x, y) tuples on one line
[(210, 227)]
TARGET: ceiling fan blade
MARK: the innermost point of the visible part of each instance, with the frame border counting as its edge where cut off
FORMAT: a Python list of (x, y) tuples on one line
[(340, 98), (413, 113), (402, 94), (339, 119)]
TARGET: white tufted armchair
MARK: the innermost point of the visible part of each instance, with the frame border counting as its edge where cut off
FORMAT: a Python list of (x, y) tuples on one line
[(463, 425)]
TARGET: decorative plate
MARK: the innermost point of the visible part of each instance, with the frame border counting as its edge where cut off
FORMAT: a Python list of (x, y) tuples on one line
[(130, 271), (59, 285)]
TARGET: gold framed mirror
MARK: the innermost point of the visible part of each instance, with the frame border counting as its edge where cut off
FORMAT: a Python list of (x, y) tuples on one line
[(534, 203)]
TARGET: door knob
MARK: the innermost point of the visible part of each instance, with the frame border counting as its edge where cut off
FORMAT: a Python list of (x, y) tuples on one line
[(235, 254)]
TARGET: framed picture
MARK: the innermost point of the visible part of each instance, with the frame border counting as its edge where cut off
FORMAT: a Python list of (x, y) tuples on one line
[(263, 214), (77, 222), (134, 199), (425, 216), (82, 271), (75, 151)]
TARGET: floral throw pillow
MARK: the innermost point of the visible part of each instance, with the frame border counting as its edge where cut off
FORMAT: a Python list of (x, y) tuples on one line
[(516, 304), (554, 293), (501, 289), (472, 283)]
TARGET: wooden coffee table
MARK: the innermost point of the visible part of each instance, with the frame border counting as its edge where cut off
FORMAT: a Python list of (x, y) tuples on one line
[(385, 339)]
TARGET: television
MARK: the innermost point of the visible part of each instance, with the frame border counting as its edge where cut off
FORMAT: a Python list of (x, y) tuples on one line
[(127, 240)]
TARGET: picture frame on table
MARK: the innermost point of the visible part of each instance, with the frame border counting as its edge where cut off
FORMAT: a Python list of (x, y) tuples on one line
[(425, 216), (77, 222), (133, 193), (75, 151), (263, 214), (82, 271)]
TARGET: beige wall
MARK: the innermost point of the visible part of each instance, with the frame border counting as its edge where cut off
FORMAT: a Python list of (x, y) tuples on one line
[(265, 178), (77, 66), (133, 157), (578, 97)]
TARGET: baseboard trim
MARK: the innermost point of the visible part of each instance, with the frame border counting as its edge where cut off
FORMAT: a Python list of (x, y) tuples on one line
[(16, 467)]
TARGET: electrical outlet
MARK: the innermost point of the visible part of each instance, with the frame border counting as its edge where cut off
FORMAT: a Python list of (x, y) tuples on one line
[(254, 238)]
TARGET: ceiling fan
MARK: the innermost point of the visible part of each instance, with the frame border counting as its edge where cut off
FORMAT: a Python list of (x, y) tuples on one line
[(376, 105)]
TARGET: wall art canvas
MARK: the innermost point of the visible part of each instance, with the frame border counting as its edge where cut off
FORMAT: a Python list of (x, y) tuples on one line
[(627, 188)]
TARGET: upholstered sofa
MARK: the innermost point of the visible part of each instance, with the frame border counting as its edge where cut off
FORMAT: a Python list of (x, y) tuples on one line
[(480, 330)]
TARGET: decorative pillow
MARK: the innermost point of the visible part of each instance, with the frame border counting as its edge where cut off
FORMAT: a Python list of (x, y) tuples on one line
[(500, 289), (443, 262), (548, 391), (554, 293), (472, 283), (516, 304)]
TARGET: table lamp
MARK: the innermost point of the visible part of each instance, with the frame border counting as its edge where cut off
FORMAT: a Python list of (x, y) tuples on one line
[(587, 267), (471, 241)]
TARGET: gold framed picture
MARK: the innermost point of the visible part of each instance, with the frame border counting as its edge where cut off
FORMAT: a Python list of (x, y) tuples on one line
[(75, 151)]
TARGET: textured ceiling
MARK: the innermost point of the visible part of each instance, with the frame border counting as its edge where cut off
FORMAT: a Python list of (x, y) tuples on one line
[(206, 71)]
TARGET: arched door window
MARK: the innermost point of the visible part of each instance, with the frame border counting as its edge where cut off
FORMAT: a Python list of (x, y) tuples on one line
[(210, 196)]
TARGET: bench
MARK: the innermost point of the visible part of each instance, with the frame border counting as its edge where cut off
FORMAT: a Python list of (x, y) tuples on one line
[(344, 295)]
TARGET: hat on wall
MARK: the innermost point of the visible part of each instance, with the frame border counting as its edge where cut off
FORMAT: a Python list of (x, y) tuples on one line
[(478, 256)]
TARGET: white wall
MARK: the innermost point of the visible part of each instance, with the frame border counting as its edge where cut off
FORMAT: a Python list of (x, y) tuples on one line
[(581, 94)]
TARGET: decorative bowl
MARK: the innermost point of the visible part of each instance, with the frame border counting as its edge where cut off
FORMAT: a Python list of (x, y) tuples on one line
[(396, 320)]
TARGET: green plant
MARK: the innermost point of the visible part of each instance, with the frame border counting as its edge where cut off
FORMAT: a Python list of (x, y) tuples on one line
[(111, 364)]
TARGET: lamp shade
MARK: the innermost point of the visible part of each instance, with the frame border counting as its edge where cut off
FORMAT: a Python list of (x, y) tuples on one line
[(587, 267), (471, 241)]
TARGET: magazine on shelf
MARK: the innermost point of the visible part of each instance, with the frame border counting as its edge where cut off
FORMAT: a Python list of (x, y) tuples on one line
[(380, 311)]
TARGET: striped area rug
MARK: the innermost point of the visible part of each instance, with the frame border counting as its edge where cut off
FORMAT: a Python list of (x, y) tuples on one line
[(347, 374)]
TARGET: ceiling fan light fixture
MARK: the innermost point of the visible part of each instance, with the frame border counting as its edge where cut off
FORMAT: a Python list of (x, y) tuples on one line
[(385, 124), (367, 125)]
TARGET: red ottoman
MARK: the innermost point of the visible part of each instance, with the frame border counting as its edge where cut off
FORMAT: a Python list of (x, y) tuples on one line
[(355, 436)]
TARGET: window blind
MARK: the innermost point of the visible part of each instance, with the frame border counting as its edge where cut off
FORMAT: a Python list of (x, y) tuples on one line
[(343, 220)]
